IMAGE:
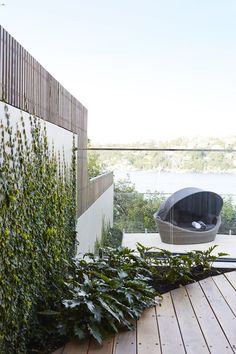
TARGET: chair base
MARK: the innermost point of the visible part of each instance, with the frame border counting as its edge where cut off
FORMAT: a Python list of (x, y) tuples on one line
[(179, 236)]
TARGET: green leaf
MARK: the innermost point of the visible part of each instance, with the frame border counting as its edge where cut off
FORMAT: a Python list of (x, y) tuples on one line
[(129, 297), (90, 306), (109, 309), (97, 314), (112, 324), (80, 292), (87, 281), (222, 254), (103, 277), (71, 303), (95, 332), (122, 274), (78, 332)]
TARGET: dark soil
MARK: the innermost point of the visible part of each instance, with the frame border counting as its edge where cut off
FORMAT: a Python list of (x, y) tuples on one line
[(163, 286)]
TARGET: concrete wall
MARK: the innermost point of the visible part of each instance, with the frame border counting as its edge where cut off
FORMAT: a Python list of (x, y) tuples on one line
[(89, 224), (90, 190), (27, 86)]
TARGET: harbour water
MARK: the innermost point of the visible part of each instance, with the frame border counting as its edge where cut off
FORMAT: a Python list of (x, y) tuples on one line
[(169, 182)]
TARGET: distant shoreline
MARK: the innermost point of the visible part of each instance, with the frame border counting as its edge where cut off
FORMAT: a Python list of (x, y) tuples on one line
[(133, 169)]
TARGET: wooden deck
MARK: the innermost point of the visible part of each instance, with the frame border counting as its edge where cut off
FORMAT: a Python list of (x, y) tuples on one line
[(198, 318)]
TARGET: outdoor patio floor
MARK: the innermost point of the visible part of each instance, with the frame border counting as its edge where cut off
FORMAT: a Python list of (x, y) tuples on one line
[(198, 318)]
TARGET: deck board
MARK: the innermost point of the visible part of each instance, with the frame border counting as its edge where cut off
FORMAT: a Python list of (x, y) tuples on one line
[(193, 338), (168, 323), (125, 342), (221, 309), (75, 348), (148, 341), (198, 318), (105, 348), (231, 277), (227, 291), (214, 336)]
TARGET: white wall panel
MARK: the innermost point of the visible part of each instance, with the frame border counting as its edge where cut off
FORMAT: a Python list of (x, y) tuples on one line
[(89, 224)]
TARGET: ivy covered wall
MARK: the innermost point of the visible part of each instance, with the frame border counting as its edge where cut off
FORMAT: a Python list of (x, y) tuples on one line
[(37, 227)]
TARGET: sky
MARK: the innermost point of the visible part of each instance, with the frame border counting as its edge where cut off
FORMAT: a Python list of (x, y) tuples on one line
[(144, 69)]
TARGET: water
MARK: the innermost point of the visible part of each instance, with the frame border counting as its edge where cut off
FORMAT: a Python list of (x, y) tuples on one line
[(169, 182)]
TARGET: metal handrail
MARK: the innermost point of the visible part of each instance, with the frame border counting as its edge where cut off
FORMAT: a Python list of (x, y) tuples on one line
[(155, 149)]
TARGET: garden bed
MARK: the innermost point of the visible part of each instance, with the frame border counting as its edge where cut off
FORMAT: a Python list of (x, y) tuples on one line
[(103, 293), (162, 286)]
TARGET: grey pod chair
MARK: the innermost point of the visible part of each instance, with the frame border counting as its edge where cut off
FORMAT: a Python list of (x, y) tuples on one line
[(175, 216)]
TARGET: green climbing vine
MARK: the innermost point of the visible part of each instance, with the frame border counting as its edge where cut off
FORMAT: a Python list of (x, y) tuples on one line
[(37, 227)]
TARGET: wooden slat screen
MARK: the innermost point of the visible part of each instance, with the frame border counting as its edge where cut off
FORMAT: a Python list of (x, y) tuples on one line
[(26, 85)]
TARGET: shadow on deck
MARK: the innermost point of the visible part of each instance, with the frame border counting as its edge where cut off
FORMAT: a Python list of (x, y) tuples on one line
[(197, 318)]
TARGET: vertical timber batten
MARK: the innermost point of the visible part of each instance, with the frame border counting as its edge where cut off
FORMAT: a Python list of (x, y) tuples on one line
[(26, 85)]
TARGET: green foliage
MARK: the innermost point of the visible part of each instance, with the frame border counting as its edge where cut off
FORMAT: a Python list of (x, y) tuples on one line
[(228, 217), (193, 161), (103, 295), (95, 165), (111, 237), (167, 268), (134, 211), (37, 228), (203, 260)]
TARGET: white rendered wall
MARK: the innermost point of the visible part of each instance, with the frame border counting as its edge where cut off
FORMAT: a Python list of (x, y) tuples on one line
[(60, 138), (89, 224)]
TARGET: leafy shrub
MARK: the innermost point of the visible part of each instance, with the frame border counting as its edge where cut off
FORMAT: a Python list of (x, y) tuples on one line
[(103, 295), (95, 164), (111, 237), (175, 270), (37, 228), (134, 211), (115, 237), (228, 217)]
